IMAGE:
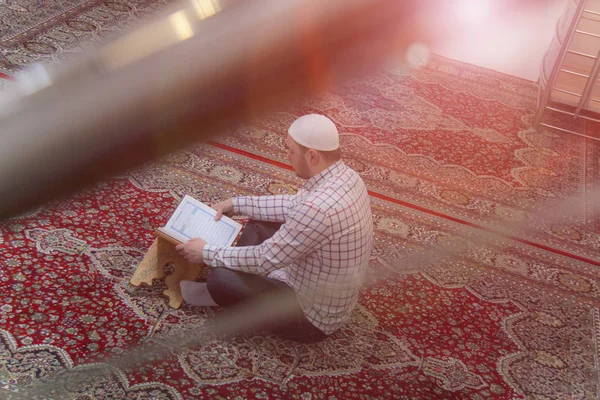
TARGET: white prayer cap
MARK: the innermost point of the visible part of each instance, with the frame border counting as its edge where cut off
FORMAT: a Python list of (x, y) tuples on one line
[(315, 131)]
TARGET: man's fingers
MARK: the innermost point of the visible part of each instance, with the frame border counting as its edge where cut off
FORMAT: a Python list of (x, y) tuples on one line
[(219, 214), (179, 247), (224, 207)]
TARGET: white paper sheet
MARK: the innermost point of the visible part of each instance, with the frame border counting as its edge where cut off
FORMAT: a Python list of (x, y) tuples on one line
[(194, 219)]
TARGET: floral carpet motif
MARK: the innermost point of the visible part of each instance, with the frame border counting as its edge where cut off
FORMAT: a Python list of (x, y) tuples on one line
[(446, 151), (418, 141), (487, 324), (34, 32)]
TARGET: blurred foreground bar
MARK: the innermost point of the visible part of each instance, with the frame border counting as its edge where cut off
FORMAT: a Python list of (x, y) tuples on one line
[(205, 66)]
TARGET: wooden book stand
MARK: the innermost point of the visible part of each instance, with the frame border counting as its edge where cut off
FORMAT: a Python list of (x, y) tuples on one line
[(161, 253)]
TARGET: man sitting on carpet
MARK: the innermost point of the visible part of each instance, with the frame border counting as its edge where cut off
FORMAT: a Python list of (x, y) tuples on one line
[(316, 242)]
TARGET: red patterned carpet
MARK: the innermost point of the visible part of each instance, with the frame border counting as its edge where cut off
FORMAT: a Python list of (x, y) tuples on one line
[(501, 322), (32, 31), (422, 138), (447, 152)]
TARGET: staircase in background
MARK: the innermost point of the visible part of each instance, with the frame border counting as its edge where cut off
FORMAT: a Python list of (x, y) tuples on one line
[(569, 94)]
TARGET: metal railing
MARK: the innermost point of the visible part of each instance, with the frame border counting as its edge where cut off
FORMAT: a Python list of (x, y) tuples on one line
[(548, 84)]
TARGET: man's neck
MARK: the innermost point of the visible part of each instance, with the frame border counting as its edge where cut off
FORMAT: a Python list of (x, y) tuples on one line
[(320, 168)]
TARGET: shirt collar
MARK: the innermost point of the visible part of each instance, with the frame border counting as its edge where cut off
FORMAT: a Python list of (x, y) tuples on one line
[(327, 173)]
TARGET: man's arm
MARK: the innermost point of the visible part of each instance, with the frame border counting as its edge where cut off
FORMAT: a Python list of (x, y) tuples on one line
[(264, 208), (306, 229)]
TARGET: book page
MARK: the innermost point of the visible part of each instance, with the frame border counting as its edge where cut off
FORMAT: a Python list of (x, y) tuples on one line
[(194, 219)]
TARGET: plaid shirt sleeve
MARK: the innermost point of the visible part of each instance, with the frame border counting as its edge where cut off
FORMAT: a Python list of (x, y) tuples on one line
[(307, 228), (264, 208)]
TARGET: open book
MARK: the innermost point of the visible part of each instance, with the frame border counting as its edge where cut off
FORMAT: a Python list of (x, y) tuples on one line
[(194, 219)]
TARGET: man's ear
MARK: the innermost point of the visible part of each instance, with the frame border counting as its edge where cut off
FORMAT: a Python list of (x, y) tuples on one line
[(313, 156)]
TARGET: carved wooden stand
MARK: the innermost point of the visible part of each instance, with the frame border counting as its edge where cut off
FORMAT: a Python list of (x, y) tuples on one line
[(161, 253)]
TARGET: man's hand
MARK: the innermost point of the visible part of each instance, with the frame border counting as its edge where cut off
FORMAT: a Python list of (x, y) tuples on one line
[(192, 250), (224, 207)]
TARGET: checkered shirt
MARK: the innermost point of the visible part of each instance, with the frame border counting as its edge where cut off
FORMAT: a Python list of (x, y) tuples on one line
[(322, 249)]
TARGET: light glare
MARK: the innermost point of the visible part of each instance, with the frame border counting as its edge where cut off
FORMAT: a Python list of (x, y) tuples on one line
[(181, 25), (417, 55), (206, 8), (474, 11)]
